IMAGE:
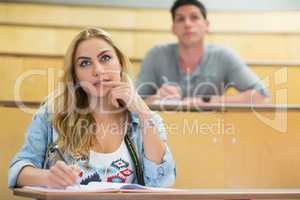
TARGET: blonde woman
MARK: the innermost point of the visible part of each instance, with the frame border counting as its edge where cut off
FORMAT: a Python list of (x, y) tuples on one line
[(99, 128)]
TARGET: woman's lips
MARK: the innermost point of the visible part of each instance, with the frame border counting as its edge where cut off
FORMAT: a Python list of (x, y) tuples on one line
[(99, 83)]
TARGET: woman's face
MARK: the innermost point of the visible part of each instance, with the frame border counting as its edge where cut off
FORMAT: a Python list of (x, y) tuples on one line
[(96, 62)]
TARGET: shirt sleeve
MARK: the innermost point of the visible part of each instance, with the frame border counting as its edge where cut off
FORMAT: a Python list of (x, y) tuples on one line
[(239, 75), (146, 83), (32, 152), (160, 175)]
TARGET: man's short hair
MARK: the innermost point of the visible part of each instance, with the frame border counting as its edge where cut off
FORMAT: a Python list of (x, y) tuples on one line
[(179, 3)]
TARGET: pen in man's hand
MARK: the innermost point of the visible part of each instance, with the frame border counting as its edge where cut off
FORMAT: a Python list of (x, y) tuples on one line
[(165, 80)]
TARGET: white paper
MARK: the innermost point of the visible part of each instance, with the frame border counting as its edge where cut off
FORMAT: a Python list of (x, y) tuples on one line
[(169, 102), (101, 187)]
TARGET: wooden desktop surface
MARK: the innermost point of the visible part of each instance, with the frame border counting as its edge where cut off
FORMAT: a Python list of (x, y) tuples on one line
[(216, 194), (181, 107), (222, 107)]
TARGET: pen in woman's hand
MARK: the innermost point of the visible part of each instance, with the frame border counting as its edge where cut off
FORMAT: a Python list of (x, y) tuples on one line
[(56, 148)]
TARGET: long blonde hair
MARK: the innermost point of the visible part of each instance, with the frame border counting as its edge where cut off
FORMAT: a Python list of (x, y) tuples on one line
[(66, 119)]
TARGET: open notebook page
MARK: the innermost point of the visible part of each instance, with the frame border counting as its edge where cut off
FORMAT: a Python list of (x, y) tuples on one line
[(102, 186)]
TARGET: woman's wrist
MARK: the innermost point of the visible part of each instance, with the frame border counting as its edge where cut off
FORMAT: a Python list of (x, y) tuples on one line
[(144, 116), (44, 177), (144, 111)]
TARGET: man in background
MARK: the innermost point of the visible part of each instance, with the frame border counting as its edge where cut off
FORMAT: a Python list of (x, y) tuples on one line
[(192, 70)]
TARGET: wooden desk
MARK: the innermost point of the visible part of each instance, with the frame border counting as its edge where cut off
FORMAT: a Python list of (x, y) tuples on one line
[(255, 155), (217, 194), (237, 146), (222, 107)]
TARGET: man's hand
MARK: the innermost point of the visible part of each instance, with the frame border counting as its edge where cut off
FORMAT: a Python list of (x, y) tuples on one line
[(168, 91)]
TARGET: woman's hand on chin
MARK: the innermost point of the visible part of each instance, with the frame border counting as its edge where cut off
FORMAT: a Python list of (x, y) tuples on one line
[(124, 94)]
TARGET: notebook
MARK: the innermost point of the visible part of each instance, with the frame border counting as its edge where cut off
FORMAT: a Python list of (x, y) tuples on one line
[(104, 187)]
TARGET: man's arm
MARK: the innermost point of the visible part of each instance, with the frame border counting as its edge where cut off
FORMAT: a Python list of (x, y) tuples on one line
[(149, 83), (247, 97), (251, 96), (241, 77), (147, 80)]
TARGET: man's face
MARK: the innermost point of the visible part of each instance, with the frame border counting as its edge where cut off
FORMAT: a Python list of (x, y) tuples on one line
[(189, 25)]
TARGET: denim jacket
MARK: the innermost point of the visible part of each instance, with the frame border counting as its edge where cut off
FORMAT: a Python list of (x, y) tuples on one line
[(41, 133)]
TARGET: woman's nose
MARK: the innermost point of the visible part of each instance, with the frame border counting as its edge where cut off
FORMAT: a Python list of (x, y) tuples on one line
[(97, 69)]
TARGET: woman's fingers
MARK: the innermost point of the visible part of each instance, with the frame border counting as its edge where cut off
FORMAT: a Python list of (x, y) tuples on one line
[(121, 92), (68, 171), (112, 83), (76, 169), (62, 175), (56, 182), (115, 102)]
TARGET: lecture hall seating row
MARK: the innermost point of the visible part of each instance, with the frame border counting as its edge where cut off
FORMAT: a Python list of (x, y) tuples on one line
[(28, 70), (137, 30), (260, 42)]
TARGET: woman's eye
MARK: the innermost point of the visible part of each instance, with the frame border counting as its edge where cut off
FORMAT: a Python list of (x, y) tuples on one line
[(105, 58), (84, 63)]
